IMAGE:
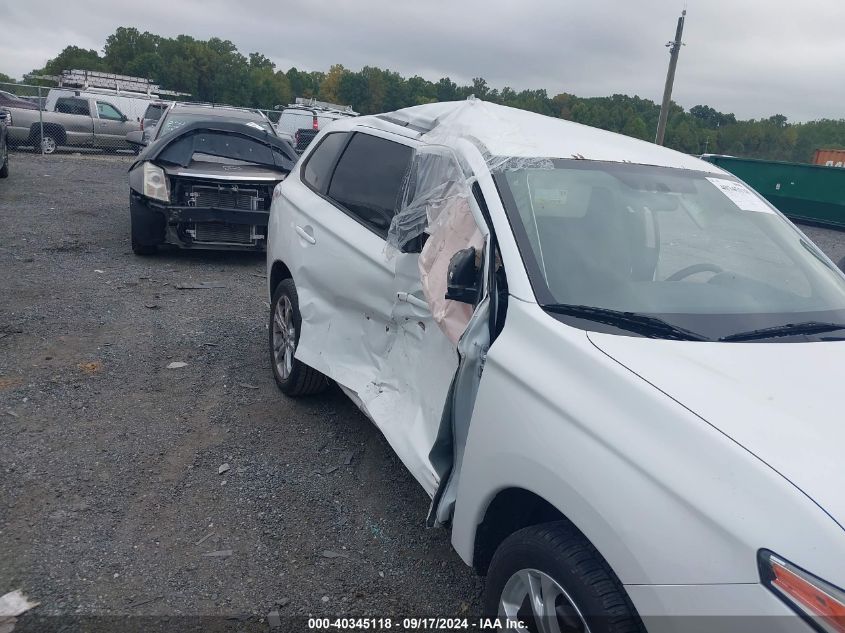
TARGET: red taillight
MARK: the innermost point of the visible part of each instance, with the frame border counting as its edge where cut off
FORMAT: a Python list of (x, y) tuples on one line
[(142, 125), (316, 123)]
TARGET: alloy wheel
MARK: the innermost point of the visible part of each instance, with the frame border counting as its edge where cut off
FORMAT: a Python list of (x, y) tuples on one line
[(284, 337), (536, 599), (48, 145)]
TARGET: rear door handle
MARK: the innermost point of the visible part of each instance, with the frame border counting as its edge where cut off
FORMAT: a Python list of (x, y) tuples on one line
[(306, 234)]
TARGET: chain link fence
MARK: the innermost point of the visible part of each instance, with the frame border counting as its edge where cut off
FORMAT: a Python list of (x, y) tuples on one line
[(48, 120)]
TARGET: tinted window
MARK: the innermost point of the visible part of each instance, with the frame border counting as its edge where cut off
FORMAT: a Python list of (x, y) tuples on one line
[(368, 179), (318, 168), (176, 120), (69, 105), (154, 112)]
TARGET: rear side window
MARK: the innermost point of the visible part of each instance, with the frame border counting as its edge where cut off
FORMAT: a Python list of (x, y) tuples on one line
[(69, 105), (368, 179), (318, 169)]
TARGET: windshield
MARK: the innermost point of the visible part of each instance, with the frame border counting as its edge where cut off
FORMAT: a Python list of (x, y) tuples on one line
[(175, 120), (699, 250)]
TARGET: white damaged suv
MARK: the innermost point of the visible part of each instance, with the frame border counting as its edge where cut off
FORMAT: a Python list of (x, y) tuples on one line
[(616, 370)]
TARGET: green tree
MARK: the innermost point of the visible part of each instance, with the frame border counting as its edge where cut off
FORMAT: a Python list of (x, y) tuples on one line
[(215, 70), (125, 46), (330, 86), (72, 57)]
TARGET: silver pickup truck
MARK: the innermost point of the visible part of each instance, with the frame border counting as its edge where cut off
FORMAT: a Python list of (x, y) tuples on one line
[(75, 121)]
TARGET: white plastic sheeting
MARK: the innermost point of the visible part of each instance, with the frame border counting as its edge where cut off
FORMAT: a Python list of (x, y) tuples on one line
[(380, 325), (437, 202)]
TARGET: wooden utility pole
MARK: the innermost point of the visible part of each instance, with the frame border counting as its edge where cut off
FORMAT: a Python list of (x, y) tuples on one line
[(674, 51)]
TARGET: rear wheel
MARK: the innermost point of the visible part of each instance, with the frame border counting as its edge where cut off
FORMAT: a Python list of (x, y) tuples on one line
[(553, 580), (48, 143), (4, 170), (293, 377)]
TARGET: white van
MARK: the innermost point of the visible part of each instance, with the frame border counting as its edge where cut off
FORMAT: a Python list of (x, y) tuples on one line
[(300, 124)]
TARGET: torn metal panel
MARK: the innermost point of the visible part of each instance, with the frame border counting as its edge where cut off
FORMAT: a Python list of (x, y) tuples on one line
[(448, 451), (395, 367), (382, 329)]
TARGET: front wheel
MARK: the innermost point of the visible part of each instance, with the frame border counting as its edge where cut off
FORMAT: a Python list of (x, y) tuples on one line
[(138, 230), (4, 170), (552, 579), (293, 377)]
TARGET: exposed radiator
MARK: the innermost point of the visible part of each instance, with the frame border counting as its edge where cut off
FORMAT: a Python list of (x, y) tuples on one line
[(226, 198), (223, 233)]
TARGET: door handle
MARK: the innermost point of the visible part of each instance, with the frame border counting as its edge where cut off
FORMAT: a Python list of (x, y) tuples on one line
[(306, 234), (414, 301)]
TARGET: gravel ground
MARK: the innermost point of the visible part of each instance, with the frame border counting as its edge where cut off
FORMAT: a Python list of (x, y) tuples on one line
[(110, 497), (110, 494)]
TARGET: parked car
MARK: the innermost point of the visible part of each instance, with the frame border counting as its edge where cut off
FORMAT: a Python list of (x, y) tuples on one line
[(74, 121), (207, 180), (152, 115), (301, 122), (4, 143), (9, 100), (612, 366), (179, 114)]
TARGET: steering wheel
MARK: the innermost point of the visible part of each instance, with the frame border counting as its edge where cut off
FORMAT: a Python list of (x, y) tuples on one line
[(694, 269)]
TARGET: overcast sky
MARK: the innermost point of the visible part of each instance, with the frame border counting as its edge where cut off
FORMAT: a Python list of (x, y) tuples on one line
[(751, 57)]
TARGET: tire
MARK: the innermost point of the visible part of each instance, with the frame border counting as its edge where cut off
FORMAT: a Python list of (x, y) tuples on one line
[(137, 247), (4, 170), (48, 144), (589, 590), (293, 377), (143, 249)]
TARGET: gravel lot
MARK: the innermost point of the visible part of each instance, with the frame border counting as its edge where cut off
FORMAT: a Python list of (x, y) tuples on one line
[(110, 497)]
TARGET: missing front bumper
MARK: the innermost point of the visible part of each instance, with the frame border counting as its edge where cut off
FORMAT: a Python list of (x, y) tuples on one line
[(197, 227)]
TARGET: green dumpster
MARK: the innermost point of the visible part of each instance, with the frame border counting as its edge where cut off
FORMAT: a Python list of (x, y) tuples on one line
[(811, 193)]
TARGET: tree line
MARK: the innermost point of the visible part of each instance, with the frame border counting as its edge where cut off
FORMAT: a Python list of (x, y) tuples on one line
[(214, 70)]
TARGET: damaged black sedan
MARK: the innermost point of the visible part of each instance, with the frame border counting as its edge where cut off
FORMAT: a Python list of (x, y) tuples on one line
[(207, 184)]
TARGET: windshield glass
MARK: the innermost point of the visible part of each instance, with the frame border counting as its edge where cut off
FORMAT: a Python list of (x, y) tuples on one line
[(699, 250), (176, 120)]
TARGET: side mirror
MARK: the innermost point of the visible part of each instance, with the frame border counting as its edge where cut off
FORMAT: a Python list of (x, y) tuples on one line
[(462, 282), (136, 137)]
